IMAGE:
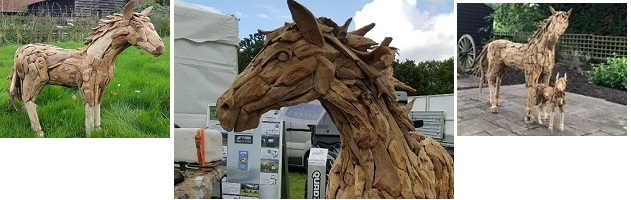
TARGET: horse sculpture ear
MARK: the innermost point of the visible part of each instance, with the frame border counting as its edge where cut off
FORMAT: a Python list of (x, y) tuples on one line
[(557, 78), (306, 23), (263, 32), (569, 12), (552, 10), (565, 76), (146, 11), (128, 10)]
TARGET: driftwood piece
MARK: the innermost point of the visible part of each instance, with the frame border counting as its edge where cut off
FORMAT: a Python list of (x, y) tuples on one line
[(382, 156), (535, 58), (90, 68)]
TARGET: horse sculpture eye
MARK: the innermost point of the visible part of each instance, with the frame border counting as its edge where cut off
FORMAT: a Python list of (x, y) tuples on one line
[(283, 56)]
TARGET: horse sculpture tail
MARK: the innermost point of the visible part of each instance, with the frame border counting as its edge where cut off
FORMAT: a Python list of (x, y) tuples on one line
[(14, 88), (481, 65)]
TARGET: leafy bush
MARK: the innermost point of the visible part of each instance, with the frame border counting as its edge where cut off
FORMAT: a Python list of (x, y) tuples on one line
[(612, 73)]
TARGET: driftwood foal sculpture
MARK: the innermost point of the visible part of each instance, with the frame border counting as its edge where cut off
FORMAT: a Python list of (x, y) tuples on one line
[(553, 95), (90, 68), (312, 59), (535, 58)]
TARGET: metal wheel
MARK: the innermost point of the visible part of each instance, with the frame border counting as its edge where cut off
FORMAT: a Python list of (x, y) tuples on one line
[(466, 53)]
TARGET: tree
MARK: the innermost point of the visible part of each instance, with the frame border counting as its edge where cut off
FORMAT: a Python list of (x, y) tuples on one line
[(427, 77), (516, 17), (598, 18), (248, 48)]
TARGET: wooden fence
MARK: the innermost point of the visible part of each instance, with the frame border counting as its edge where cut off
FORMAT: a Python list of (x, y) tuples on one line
[(578, 47)]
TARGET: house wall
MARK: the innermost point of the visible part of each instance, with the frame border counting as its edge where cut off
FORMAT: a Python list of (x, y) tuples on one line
[(100, 8), (78, 8), (53, 7), (471, 19)]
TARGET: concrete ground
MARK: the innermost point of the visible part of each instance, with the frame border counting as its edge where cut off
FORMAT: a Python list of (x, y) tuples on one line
[(584, 116)]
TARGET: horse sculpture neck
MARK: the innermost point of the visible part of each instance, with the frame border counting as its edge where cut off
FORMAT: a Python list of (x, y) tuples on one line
[(105, 43), (543, 37)]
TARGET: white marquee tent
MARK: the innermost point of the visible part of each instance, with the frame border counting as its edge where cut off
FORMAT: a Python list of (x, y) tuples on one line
[(206, 46)]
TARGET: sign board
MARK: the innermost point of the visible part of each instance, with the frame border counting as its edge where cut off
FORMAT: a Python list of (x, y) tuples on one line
[(254, 160)]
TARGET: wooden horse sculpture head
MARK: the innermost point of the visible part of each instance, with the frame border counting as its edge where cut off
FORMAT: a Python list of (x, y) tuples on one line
[(347, 72), (550, 29), (123, 30), (90, 68)]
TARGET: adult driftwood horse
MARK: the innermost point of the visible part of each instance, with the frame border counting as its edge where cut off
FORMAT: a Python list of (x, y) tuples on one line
[(382, 156), (90, 68), (535, 58)]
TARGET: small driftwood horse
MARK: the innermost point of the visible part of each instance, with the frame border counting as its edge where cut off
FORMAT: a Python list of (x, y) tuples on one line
[(535, 58), (553, 95), (381, 156), (90, 68)]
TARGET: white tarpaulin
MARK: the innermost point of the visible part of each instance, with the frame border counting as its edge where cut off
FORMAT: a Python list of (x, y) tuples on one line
[(206, 46)]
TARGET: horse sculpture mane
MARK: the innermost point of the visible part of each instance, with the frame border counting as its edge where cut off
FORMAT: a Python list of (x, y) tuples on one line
[(314, 58)]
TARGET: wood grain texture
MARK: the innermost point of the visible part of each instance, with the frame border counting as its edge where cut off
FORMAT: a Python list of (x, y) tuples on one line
[(90, 68), (382, 156)]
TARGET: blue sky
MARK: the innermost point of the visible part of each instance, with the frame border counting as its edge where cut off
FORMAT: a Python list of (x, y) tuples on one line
[(422, 26)]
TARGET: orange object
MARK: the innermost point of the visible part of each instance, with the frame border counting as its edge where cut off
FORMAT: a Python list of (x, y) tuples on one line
[(201, 150)]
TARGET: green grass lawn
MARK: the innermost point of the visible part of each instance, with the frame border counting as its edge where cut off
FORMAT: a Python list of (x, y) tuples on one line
[(135, 105), (297, 178)]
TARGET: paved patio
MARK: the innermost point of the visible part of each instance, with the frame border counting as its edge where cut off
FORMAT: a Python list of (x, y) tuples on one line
[(584, 116)]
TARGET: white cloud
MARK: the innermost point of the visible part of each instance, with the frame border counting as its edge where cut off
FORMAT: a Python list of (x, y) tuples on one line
[(418, 35), (263, 16), (205, 7), (240, 15)]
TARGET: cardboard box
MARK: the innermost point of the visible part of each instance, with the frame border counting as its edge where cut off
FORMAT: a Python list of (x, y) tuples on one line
[(316, 173)]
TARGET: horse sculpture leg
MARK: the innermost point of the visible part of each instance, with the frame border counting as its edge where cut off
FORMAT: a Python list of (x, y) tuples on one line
[(546, 80), (552, 113), (97, 110), (542, 112), (97, 116), (529, 103), (89, 119), (561, 122), (491, 84), (31, 109), (497, 89)]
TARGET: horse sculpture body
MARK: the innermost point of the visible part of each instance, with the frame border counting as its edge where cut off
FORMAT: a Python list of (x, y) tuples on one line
[(381, 156), (535, 58), (90, 69)]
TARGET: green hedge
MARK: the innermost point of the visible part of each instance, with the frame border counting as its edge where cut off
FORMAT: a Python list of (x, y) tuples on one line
[(612, 73)]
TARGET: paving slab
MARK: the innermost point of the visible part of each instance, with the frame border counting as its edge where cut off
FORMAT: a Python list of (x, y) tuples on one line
[(584, 115)]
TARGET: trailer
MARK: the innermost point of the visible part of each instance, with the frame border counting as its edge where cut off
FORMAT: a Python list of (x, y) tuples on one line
[(437, 114)]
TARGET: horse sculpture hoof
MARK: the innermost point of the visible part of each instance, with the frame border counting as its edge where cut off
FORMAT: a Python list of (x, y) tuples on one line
[(540, 122), (561, 128), (40, 134), (494, 109), (550, 128), (528, 120)]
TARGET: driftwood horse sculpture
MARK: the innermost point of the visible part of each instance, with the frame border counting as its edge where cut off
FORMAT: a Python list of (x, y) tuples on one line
[(555, 96), (382, 156), (535, 58), (90, 68)]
